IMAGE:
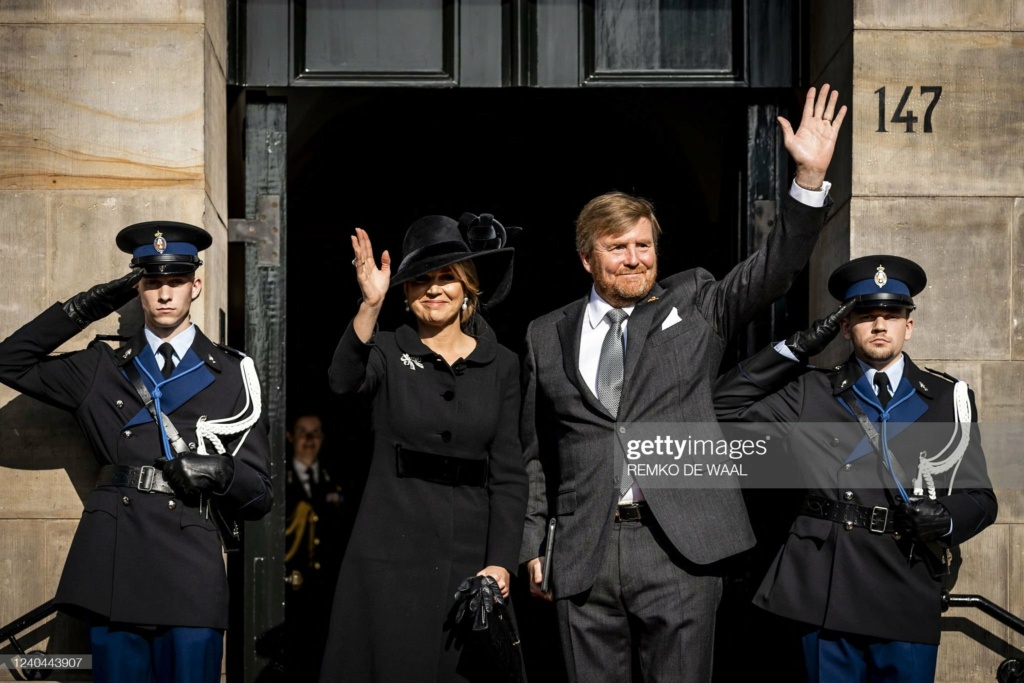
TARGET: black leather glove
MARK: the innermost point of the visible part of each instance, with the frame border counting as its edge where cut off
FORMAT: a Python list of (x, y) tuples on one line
[(102, 300), (922, 519), (197, 474), (476, 597), (815, 338)]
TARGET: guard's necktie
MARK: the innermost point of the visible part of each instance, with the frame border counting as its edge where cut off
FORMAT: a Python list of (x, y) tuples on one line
[(882, 382), (609, 377), (166, 350)]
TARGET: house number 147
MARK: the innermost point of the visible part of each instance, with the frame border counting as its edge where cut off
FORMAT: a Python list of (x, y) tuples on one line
[(904, 115)]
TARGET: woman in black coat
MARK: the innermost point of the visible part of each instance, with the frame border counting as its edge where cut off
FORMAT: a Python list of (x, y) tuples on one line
[(446, 494)]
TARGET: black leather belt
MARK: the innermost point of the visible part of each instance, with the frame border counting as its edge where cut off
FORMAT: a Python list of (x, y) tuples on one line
[(877, 520), (633, 512), (147, 478), (440, 469)]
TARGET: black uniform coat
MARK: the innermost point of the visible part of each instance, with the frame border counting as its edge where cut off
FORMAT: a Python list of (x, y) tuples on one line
[(856, 581), (568, 434), (134, 559), (414, 541)]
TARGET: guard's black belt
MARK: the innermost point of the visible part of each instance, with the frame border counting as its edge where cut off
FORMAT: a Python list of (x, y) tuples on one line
[(440, 469), (147, 479), (876, 519), (633, 512)]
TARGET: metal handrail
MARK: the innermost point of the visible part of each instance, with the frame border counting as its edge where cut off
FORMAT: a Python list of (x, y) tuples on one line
[(1011, 670), (11, 630)]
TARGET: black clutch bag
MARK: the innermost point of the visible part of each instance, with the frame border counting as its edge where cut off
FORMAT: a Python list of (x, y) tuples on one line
[(484, 623)]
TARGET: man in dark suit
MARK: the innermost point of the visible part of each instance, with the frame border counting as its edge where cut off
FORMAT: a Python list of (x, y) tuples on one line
[(175, 422), (315, 536), (896, 478), (630, 566)]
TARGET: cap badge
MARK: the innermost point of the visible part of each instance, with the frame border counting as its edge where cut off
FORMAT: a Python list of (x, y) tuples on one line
[(880, 277), (160, 244)]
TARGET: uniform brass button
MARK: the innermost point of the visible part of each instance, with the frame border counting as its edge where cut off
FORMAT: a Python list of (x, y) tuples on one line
[(848, 526), (126, 500), (315, 518), (191, 446), (835, 441), (119, 404), (171, 505), (446, 436), (448, 395), (316, 541), (847, 467), (316, 565), (848, 495), (896, 536), (127, 433)]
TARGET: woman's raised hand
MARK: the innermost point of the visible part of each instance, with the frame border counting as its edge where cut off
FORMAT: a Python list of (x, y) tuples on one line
[(373, 281)]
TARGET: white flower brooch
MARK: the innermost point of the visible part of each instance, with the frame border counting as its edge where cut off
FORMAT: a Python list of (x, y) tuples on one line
[(411, 361)]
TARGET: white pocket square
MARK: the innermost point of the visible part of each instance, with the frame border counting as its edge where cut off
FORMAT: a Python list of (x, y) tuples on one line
[(672, 319)]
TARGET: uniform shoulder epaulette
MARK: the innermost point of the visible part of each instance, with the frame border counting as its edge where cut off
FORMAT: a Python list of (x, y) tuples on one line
[(230, 351), (942, 374), (118, 339)]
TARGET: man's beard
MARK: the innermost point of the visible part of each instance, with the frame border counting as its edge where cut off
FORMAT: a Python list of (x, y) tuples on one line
[(630, 290)]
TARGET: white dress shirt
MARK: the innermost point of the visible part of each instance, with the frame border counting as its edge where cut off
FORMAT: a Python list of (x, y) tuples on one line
[(181, 344)]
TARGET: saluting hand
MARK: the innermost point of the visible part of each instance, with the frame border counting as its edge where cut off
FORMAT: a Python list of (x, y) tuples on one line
[(815, 140), (373, 281)]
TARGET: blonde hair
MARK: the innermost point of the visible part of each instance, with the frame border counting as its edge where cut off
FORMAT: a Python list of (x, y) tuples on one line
[(465, 272), (613, 213)]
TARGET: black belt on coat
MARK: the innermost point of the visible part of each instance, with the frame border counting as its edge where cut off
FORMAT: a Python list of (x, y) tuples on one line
[(147, 478), (877, 519), (440, 469)]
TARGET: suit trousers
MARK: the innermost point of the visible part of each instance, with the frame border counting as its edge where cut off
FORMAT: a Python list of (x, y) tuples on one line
[(127, 654), (648, 606)]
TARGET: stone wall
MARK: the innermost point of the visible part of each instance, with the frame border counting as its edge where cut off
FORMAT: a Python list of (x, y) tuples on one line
[(945, 190), (111, 113)]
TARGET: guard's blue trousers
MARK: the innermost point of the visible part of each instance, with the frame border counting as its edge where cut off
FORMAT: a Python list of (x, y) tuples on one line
[(128, 654)]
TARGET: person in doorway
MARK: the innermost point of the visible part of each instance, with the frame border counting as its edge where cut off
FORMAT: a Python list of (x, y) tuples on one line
[(897, 477), (446, 490), (315, 536), (633, 570), (174, 420)]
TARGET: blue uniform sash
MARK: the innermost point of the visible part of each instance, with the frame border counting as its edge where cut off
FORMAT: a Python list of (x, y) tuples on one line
[(189, 377)]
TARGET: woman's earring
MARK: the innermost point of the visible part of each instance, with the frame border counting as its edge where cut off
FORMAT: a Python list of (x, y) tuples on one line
[(407, 306), (465, 303)]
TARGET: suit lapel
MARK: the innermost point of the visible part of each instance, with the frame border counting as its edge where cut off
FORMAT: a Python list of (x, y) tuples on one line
[(570, 329), (637, 331)]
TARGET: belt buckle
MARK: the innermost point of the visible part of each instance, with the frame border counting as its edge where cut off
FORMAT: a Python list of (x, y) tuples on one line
[(877, 526), (147, 477), (627, 513)]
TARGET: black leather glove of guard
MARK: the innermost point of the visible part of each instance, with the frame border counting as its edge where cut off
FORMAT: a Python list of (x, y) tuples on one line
[(102, 300), (197, 474), (815, 338), (923, 520), (476, 596)]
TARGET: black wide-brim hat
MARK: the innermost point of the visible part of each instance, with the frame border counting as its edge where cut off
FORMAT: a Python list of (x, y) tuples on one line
[(878, 281), (433, 242), (164, 247)]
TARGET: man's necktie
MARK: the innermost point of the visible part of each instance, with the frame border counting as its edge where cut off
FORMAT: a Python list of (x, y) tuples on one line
[(166, 350), (882, 382), (609, 377)]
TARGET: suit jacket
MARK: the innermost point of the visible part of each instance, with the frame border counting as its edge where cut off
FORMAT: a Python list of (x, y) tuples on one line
[(142, 558), (857, 581), (567, 433)]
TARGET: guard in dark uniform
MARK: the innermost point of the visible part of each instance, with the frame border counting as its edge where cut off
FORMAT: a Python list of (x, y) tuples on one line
[(895, 473), (176, 423)]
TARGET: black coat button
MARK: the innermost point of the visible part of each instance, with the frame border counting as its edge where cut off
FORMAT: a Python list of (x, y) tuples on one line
[(448, 395), (446, 436)]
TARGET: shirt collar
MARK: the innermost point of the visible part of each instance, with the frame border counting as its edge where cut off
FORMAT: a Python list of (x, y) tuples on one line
[(181, 343), (597, 308), (895, 372)]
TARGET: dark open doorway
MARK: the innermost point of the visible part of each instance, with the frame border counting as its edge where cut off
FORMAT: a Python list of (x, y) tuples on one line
[(380, 159)]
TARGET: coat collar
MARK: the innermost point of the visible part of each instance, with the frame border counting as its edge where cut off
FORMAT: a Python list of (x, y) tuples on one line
[(850, 372), (408, 340), (204, 349)]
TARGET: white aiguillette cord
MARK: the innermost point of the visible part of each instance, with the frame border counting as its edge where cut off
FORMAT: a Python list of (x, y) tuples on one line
[(214, 430), (927, 467)]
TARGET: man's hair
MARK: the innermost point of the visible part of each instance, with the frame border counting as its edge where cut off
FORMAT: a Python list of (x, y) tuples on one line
[(613, 213)]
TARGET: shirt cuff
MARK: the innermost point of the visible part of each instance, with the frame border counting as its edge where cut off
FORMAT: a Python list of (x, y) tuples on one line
[(784, 350), (815, 198)]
